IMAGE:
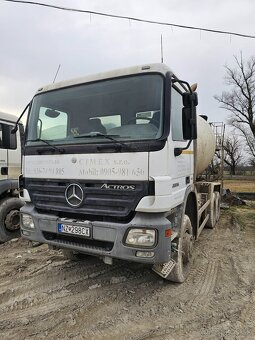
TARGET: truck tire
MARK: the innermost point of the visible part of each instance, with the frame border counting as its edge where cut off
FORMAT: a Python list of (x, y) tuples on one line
[(217, 200), (214, 208), (10, 218), (183, 256)]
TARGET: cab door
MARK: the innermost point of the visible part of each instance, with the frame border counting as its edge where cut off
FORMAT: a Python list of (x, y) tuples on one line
[(182, 165), (3, 156), (14, 153)]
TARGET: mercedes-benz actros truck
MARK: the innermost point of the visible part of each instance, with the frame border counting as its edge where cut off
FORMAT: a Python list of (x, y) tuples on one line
[(110, 169)]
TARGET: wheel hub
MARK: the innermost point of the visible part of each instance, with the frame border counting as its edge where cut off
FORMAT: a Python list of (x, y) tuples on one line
[(12, 220)]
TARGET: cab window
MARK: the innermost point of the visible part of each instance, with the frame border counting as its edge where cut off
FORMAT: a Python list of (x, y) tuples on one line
[(7, 139), (176, 115)]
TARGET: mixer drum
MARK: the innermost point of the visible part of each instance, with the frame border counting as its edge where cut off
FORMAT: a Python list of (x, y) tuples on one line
[(205, 145)]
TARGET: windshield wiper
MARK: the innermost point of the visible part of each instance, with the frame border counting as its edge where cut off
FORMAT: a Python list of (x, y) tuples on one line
[(99, 134), (52, 147)]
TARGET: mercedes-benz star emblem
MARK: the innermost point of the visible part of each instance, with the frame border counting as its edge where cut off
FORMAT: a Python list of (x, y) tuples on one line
[(74, 195)]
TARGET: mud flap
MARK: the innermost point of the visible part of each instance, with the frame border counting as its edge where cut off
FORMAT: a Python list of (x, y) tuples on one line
[(164, 269)]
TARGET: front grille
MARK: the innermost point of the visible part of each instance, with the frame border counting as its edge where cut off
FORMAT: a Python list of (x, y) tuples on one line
[(49, 196), (78, 241)]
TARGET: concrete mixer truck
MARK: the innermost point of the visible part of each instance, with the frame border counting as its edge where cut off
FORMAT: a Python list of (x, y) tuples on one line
[(110, 169)]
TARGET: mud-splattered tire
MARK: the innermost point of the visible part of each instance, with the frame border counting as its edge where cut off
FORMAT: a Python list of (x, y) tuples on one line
[(10, 218), (217, 204), (183, 257), (213, 211)]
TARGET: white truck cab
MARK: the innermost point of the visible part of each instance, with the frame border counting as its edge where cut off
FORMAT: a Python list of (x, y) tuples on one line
[(109, 168)]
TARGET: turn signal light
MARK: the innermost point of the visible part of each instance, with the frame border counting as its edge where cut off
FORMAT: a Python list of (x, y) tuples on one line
[(168, 233)]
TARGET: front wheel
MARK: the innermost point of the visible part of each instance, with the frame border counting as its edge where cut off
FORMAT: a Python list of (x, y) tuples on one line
[(10, 218), (183, 253)]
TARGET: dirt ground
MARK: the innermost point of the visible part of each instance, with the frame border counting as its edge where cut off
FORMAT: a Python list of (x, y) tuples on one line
[(44, 296)]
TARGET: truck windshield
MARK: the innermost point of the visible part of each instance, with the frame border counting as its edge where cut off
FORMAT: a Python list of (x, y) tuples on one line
[(128, 109)]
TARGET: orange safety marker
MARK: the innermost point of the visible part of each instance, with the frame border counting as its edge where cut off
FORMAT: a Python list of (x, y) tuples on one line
[(168, 233)]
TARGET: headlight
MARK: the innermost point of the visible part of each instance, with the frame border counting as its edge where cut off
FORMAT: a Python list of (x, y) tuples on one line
[(27, 221), (141, 237)]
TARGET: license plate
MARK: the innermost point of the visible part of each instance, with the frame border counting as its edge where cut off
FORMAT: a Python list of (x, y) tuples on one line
[(64, 228)]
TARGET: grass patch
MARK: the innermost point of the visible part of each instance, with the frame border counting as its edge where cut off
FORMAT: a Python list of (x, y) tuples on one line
[(239, 185), (244, 215)]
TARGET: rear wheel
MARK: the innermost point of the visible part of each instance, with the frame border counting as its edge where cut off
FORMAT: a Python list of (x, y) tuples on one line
[(10, 218), (217, 203), (214, 212), (183, 254)]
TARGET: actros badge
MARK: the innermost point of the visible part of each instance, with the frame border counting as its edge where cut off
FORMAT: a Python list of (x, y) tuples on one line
[(74, 195)]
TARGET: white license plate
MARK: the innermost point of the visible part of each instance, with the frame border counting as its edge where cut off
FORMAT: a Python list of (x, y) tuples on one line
[(73, 229)]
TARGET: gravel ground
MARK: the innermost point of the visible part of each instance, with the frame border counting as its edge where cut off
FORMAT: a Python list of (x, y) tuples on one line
[(44, 296)]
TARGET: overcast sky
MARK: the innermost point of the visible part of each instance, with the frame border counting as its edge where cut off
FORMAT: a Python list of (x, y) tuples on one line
[(35, 40)]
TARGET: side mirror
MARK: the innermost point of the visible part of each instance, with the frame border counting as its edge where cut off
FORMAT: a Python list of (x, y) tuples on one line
[(189, 115), (189, 99), (14, 129)]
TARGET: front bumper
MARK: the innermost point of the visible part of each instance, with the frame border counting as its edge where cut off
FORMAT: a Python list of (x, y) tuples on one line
[(107, 238)]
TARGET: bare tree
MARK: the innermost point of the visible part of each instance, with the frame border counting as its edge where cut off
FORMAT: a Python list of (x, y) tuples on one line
[(252, 163), (213, 171), (240, 99), (233, 154)]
